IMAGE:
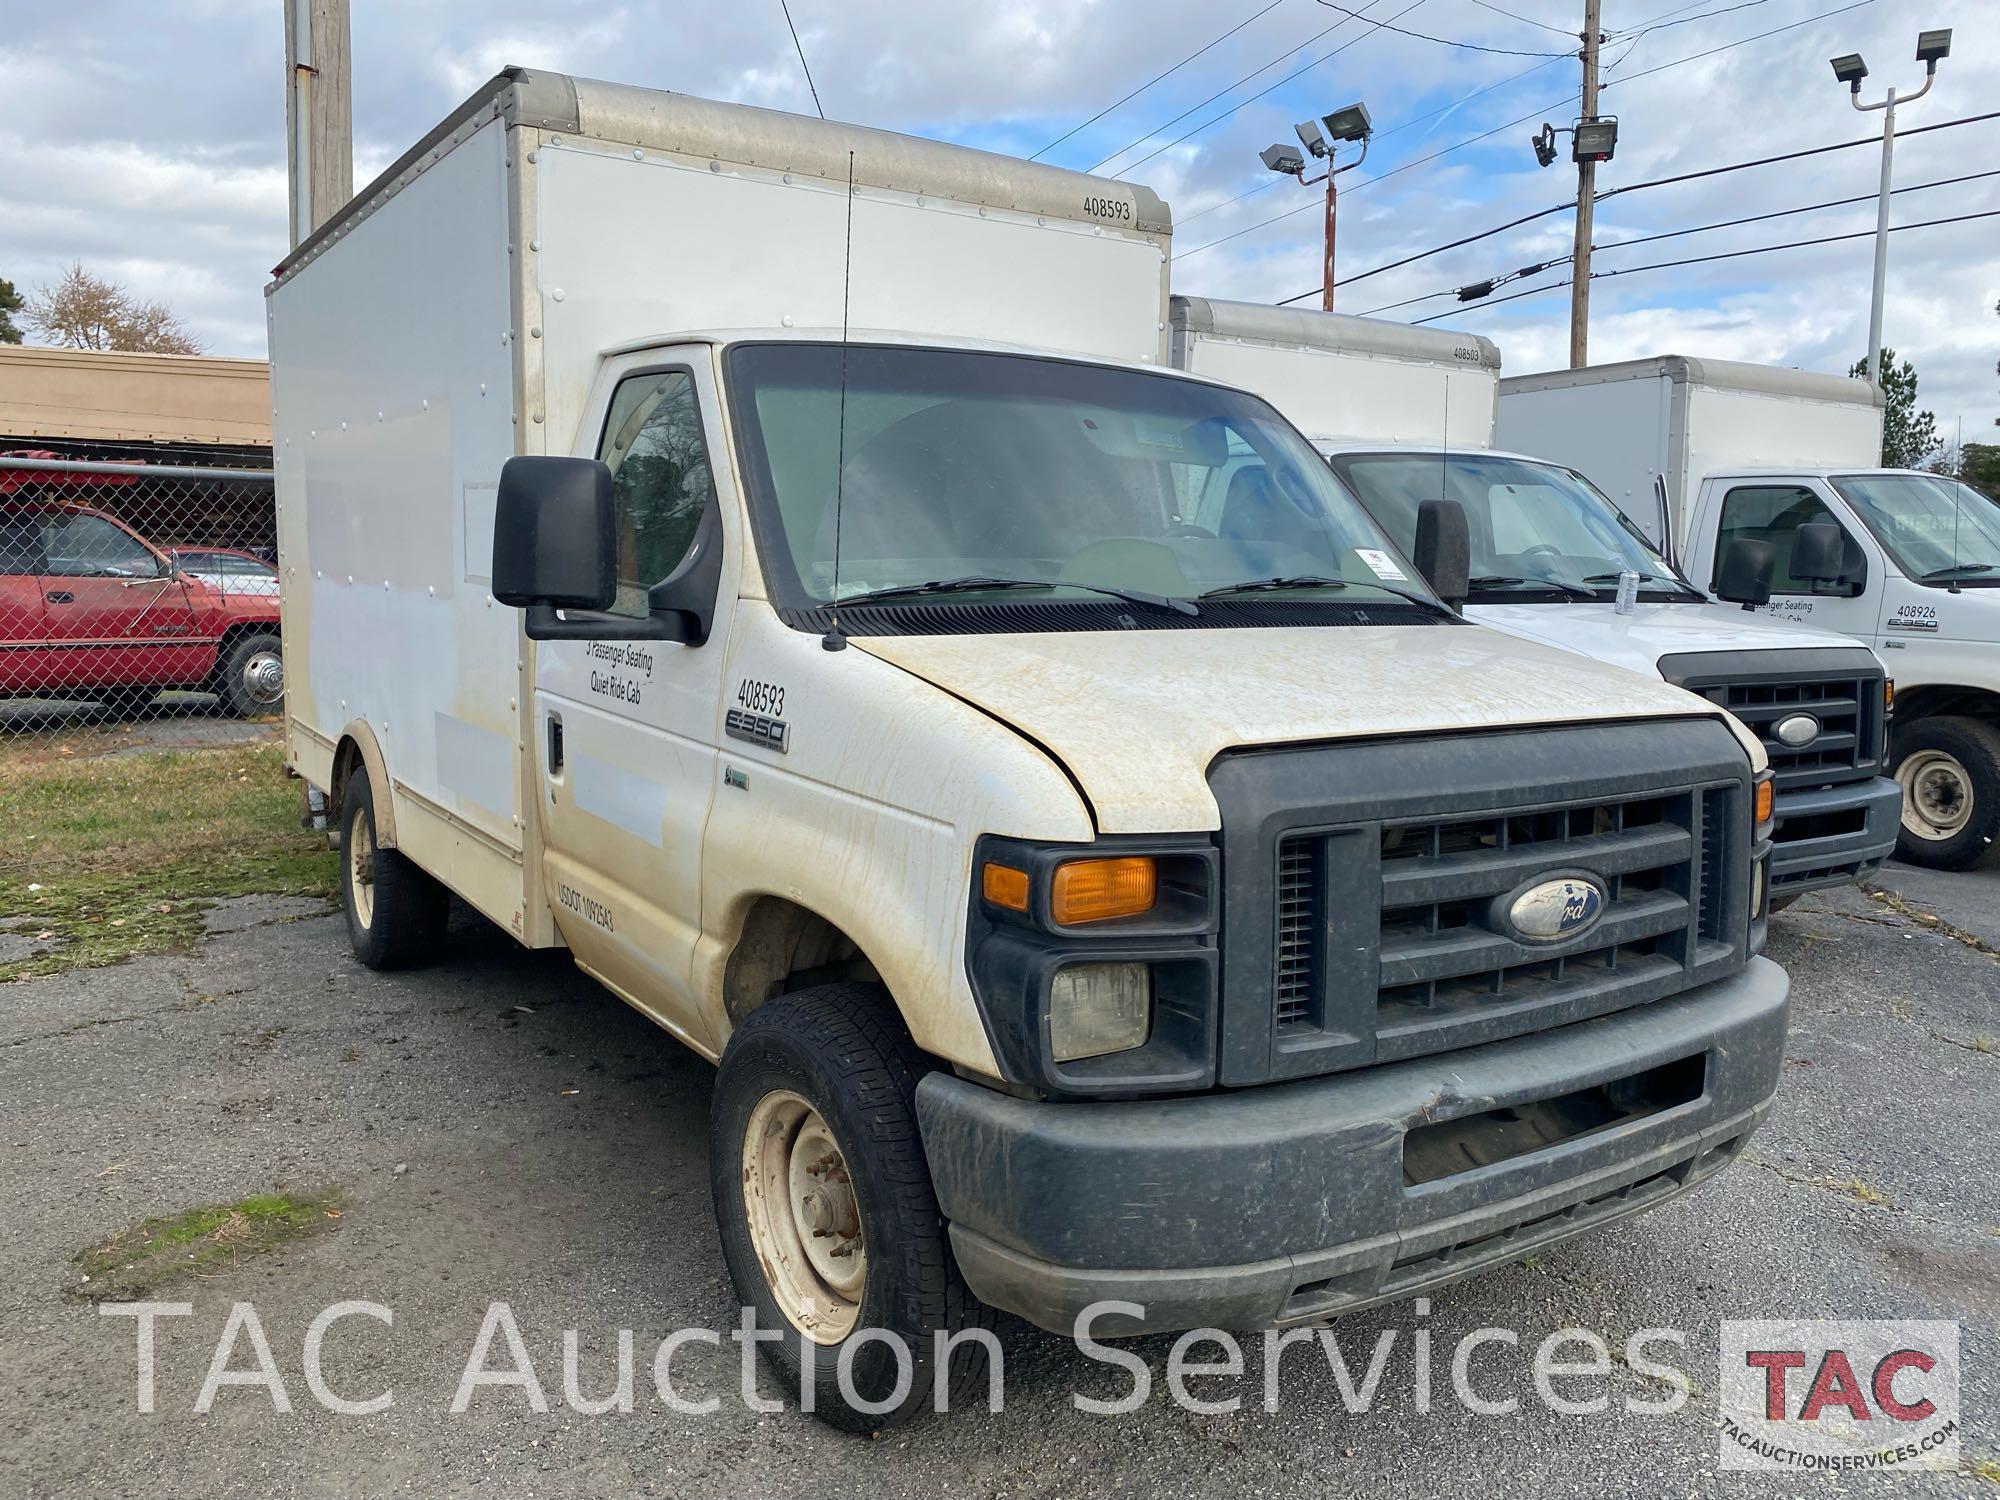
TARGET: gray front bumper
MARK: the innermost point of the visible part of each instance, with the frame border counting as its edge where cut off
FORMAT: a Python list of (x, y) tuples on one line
[(1287, 1202), (1811, 863)]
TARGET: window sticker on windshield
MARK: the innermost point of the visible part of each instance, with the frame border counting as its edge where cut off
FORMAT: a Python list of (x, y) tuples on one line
[(1381, 564)]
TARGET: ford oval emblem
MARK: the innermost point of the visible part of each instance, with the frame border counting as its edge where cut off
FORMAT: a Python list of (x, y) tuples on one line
[(1796, 730), (1554, 911)]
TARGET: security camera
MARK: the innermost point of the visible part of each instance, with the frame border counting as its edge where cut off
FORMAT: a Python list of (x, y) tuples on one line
[(1311, 139), (1284, 159), (1850, 70)]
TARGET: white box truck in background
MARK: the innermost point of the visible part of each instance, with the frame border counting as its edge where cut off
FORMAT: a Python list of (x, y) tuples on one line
[(1406, 415), (1077, 905), (1775, 497)]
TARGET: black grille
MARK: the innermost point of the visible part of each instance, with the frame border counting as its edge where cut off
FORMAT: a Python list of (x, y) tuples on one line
[(1447, 961), (1366, 884), (1848, 709)]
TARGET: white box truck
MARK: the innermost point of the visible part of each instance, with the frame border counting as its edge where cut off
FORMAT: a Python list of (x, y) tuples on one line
[(1769, 486), (1547, 550), (816, 645)]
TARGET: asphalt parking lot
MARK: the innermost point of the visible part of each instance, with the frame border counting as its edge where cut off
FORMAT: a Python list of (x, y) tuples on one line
[(500, 1128)]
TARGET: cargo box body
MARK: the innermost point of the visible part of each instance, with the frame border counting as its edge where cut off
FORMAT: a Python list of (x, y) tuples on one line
[(1345, 379), (1628, 425), (456, 313)]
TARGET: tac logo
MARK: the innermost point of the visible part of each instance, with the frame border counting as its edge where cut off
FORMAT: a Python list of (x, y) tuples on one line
[(1839, 1395)]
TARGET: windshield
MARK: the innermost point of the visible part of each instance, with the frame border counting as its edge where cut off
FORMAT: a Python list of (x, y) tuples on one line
[(1938, 530), (1538, 532), (1000, 478)]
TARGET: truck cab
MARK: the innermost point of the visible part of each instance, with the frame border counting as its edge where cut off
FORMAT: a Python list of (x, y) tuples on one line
[(1733, 462), (1080, 905), (1406, 416)]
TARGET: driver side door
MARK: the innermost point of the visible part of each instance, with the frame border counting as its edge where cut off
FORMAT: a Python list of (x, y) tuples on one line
[(628, 730), (117, 613)]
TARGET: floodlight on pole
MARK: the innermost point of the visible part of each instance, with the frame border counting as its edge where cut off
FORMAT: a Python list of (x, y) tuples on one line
[(1321, 137), (1848, 68)]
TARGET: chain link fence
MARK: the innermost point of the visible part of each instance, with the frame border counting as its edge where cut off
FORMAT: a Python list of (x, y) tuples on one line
[(138, 603)]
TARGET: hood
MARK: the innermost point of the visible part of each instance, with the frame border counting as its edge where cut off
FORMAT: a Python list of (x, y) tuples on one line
[(1637, 641), (1138, 716)]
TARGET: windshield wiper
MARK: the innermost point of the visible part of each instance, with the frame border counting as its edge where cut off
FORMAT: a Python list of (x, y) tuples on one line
[(1318, 581), (1957, 568), (1503, 580), (1644, 578), (975, 583)]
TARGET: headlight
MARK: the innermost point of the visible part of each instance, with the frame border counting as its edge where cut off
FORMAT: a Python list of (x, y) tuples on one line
[(1099, 1008)]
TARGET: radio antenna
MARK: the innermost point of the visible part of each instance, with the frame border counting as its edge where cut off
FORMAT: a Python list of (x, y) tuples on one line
[(835, 638)]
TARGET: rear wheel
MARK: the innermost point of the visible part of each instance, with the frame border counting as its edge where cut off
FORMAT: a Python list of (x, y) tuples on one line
[(1949, 769), (250, 679), (396, 914), (830, 1226)]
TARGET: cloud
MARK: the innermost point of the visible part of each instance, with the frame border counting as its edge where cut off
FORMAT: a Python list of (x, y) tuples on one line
[(148, 141)]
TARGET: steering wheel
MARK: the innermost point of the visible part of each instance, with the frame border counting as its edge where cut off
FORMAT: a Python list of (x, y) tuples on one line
[(1552, 550), (1188, 528)]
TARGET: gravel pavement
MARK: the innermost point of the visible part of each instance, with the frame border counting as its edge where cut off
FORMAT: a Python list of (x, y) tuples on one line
[(502, 1129)]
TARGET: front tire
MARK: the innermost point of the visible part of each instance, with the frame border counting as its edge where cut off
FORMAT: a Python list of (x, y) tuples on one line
[(1950, 773), (396, 914), (250, 678), (830, 1226)]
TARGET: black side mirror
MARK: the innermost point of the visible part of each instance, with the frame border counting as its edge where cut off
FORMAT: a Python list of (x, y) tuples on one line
[(1443, 552), (1819, 553), (555, 541), (555, 548), (1745, 575)]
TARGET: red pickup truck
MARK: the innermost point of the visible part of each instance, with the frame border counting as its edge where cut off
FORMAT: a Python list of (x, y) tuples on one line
[(90, 610)]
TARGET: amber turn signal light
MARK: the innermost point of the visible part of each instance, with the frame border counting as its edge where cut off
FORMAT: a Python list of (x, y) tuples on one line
[(1767, 801), (1097, 890), (1003, 885)]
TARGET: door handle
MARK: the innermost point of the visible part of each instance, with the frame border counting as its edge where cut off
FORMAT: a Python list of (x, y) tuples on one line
[(555, 745), (60, 596)]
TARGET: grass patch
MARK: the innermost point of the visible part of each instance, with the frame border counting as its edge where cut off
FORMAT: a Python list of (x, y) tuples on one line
[(103, 860), (134, 1261), (1987, 1469)]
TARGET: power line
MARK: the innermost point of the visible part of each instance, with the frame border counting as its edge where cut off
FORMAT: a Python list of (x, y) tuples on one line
[(1695, 260), (1225, 114), (1444, 41), (1524, 20), (1633, 187), (1662, 25), (1531, 114), (804, 66), (1667, 234), (1157, 77)]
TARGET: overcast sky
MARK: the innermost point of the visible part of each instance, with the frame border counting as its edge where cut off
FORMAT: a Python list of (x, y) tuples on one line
[(145, 138)]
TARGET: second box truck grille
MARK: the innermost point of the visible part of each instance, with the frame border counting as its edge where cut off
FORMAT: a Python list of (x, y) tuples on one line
[(1848, 711)]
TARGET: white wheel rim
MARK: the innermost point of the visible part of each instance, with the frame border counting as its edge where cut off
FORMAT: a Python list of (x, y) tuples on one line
[(804, 1219), (1937, 795), (361, 868), (264, 678)]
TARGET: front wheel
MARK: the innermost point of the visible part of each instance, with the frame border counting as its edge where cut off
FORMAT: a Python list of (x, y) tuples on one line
[(1949, 769), (250, 678), (396, 914), (830, 1226)]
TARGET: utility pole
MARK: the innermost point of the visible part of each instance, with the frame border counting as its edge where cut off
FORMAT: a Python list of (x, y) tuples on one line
[(319, 112), (1586, 191)]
